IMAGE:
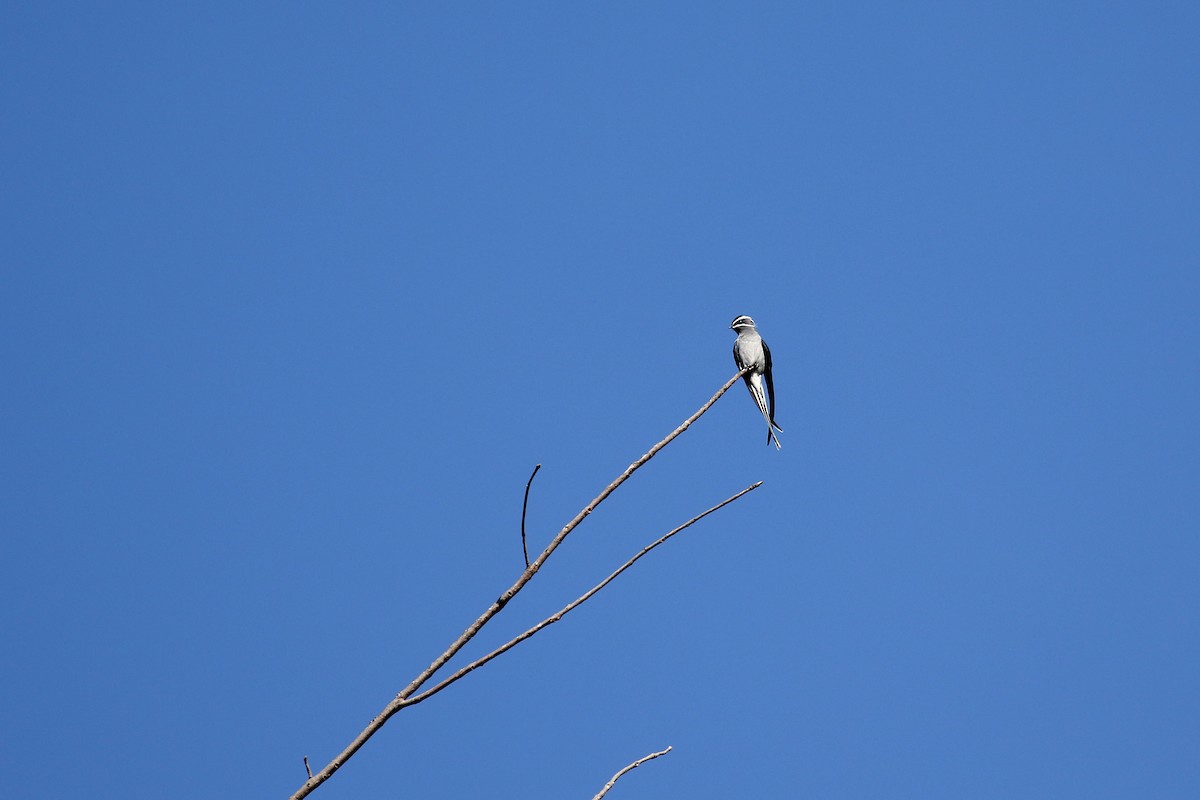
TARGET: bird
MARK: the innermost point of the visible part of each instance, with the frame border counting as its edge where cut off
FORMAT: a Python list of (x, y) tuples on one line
[(751, 351)]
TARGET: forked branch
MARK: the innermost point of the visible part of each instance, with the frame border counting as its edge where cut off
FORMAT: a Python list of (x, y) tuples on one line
[(574, 604), (403, 698)]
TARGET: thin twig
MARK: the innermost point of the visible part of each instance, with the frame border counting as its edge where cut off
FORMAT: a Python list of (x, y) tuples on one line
[(634, 765), (524, 508), (553, 618), (398, 701), (307, 768)]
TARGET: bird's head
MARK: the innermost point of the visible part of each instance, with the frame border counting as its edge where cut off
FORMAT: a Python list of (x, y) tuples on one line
[(741, 323)]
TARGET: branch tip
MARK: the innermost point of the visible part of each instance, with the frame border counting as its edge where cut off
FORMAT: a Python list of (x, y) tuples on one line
[(632, 766)]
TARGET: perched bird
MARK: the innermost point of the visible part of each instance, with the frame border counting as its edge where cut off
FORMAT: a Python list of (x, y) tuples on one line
[(751, 351)]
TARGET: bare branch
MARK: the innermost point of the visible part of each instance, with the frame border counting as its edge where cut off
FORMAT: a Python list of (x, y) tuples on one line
[(524, 508), (398, 701), (548, 621), (634, 765), (307, 768)]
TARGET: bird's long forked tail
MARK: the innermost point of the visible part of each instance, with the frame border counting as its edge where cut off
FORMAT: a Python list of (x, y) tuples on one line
[(771, 428)]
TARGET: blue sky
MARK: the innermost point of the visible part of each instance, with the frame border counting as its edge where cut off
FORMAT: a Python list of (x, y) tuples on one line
[(294, 296)]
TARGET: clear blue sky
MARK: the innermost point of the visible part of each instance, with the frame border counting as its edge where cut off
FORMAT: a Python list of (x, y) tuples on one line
[(294, 296)]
